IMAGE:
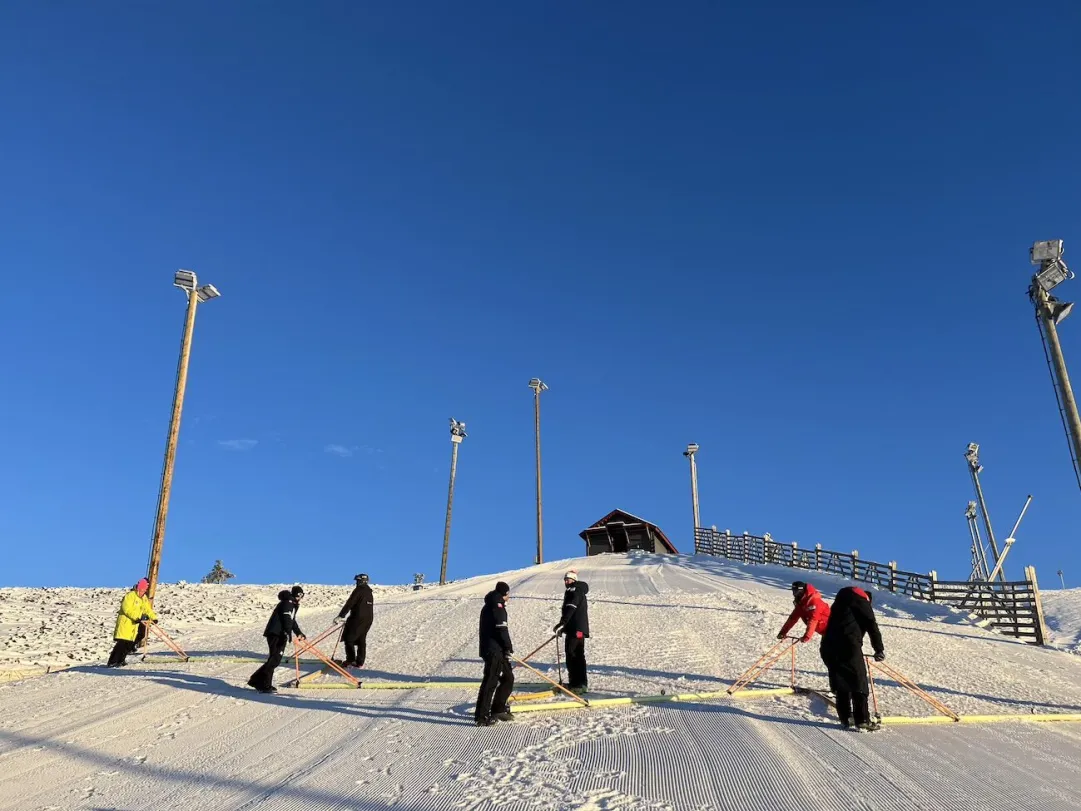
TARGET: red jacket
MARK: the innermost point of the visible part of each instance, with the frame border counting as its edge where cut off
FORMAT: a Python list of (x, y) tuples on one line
[(813, 610)]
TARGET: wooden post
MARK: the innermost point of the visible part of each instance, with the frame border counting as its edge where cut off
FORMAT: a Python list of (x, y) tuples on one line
[(1041, 627), (818, 557), (795, 553), (934, 579), (855, 564), (893, 575)]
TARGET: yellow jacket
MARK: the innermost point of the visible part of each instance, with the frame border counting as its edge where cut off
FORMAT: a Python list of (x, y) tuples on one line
[(131, 610)]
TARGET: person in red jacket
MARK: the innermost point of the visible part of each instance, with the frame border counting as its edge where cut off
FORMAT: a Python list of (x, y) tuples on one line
[(809, 607)]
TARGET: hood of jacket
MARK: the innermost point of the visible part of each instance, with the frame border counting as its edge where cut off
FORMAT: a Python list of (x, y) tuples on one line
[(285, 594), (581, 586)]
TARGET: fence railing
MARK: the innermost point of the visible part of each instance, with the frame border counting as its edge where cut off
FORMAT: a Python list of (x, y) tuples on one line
[(1013, 608)]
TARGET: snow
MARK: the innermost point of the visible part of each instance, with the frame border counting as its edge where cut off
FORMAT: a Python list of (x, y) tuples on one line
[(50, 628), (1062, 611), (192, 736)]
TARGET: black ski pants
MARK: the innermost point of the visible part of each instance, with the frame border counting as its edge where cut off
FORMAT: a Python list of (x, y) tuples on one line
[(495, 687), (853, 707), (124, 647), (848, 681), (356, 642), (263, 678), (576, 661)]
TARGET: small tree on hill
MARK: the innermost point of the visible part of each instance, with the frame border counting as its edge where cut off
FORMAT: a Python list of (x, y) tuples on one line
[(219, 574)]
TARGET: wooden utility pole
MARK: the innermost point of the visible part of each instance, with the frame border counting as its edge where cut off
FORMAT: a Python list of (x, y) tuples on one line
[(186, 281)]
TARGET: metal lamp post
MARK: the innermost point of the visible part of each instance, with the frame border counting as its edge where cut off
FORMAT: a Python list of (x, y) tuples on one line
[(187, 282), (538, 386), (692, 449), (457, 434), (1050, 312)]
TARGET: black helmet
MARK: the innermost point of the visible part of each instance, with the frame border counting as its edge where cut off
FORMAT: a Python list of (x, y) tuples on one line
[(798, 586), (361, 578), (297, 591)]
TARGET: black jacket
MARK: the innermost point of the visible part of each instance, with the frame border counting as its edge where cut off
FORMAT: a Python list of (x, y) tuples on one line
[(283, 622), (850, 618), (494, 632), (576, 609), (359, 607)]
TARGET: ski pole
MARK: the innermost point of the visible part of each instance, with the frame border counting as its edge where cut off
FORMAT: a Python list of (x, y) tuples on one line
[(340, 635), (559, 667), (871, 678)]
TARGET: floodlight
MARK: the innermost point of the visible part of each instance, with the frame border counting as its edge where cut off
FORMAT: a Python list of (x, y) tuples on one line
[(1047, 251), (1058, 310), (207, 292), (1052, 275), (457, 429), (537, 385), (692, 449), (185, 280)]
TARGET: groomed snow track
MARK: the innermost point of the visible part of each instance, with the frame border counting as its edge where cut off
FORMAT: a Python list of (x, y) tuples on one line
[(191, 735)]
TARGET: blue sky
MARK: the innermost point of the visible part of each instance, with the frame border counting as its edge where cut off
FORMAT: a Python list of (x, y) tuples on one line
[(797, 236)]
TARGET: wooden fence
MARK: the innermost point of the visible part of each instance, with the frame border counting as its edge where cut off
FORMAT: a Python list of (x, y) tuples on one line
[(1012, 608)]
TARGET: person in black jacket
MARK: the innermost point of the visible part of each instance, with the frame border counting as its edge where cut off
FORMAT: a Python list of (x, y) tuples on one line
[(574, 624), (355, 634), (279, 630), (495, 650), (842, 652)]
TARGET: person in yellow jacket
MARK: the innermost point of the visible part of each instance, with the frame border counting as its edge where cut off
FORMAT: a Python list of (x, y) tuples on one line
[(135, 611)]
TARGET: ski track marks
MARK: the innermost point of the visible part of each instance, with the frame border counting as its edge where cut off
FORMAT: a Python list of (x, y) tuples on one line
[(190, 736)]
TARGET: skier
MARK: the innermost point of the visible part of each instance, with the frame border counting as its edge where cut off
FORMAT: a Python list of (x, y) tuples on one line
[(842, 653), (279, 630), (809, 607), (495, 650), (574, 623), (355, 633), (130, 630)]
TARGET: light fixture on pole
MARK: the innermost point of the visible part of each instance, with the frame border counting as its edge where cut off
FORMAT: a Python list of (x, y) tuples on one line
[(187, 282), (1050, 312), (692, 449), (979, 555), (538, 386), (457, 434), (972, 456)]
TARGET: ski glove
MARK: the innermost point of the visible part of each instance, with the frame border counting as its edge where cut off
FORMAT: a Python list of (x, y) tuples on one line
[(780, 635), (144, 618), (339, 620), (557, 627), (880, 656)]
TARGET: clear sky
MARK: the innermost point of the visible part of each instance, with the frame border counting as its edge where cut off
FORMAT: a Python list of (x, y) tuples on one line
[(795, 234)]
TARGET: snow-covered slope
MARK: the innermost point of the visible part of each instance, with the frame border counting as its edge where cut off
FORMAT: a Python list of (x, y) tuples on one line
[(44, 628), (191, 736), (1062, 610)]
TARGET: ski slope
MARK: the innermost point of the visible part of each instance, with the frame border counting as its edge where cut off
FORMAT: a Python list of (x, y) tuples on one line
[(192, 736), (1062, 610)]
